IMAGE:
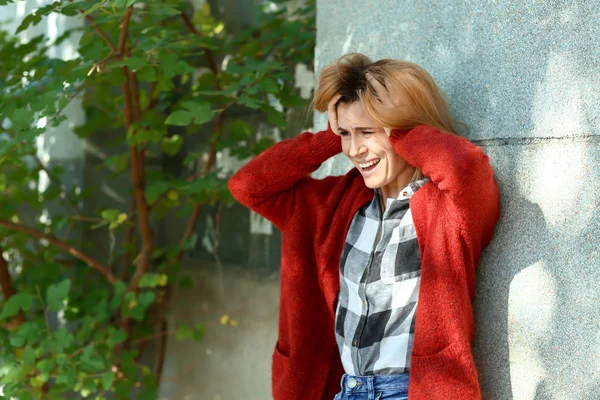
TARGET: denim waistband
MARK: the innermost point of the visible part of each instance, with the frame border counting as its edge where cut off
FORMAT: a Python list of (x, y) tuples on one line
[(381, 383)]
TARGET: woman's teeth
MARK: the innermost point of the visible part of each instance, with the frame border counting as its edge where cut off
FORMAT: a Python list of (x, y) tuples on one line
[(365, 166)]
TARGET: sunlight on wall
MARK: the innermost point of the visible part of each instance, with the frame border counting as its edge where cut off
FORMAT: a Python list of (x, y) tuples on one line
[(559, 171), (558, 101), (531, 307)]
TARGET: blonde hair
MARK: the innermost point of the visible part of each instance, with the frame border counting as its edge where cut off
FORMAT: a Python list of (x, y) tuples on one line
[(422, 102)]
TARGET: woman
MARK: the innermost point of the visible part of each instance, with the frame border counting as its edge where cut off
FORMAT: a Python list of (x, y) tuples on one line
[(377, 275)]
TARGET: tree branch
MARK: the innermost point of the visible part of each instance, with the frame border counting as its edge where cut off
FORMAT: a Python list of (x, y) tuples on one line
[(212, 153), (162, 350), (132, 114), (125, 30), (128, 242), (8, 289), (210, 59), (103, 35), (95, 264), (197, 211)]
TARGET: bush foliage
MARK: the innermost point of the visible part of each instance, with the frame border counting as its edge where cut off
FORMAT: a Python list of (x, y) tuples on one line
[(74, 325)]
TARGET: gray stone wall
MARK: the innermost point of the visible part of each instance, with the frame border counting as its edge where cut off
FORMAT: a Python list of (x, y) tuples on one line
[(524, 77)]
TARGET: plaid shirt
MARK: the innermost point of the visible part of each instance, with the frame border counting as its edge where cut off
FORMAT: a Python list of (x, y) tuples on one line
[(379, 288)]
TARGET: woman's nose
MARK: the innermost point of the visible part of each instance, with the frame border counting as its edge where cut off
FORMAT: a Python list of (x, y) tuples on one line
[(356, 146)]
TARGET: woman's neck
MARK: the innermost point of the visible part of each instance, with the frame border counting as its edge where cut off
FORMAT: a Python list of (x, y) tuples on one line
[(392, 190)]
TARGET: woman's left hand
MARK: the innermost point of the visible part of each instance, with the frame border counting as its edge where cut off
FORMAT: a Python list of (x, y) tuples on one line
[(332, 113)]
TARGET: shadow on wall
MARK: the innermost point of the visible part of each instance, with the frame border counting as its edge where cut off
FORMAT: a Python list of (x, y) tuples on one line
[(528, 72)]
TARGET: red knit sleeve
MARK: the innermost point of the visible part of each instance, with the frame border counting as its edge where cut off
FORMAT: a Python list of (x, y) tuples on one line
[(269, 183), (457, 167)]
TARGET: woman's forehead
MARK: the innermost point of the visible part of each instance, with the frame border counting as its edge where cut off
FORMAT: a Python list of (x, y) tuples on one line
[(353, 116)]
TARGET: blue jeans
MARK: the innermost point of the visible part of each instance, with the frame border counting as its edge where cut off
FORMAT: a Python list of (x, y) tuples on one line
[(375, 387)]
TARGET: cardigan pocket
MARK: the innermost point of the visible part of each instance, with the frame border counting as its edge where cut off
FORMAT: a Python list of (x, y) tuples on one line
[(280, 373), (280, 352), (447, 355)]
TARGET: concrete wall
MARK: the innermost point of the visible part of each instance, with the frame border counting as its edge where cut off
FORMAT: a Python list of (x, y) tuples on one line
[(525, 78)]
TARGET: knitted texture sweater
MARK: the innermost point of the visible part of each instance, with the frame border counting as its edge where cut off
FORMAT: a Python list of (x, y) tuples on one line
[(454, 215)]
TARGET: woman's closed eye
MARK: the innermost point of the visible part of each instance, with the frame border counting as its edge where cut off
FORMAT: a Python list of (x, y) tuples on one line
[(346, 133)]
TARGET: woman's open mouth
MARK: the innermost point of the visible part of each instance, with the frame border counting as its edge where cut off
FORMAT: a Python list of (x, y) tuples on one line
[(369, 166)]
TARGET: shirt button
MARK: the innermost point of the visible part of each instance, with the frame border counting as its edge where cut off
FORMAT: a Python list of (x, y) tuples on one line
[(405, 193), (351, 383), (356, 343)]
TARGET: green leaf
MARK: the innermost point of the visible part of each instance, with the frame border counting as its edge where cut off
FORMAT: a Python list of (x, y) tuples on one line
[(148, 394), (161, 10), (202, 114), (45, 366), (198, 332), (263, 144), (152, 280), (20, 301), (186, 282), (119, 290), (147, 74), (118, 163), (241, 130), (143, 302), (155, 190), (110, 214), (119, 337), (146, 298), (277, 118), (183, 332), (21, 119), (67, 378), (61, 339), (180, 118), (29, 332), (172, 145), (107, 380), (28, 356), (55, 294), (135, 63), (31, 19), (96, 6)]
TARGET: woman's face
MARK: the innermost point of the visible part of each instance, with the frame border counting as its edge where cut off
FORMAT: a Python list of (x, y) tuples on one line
[(368, 147)]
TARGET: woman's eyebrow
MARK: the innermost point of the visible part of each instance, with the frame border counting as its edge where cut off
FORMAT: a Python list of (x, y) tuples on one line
[(359, 128)]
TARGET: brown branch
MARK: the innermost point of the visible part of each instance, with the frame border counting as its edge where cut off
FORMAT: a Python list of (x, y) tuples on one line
[(132, 114), (95, 264), (128, 242), (197, 211), (8, 289), (210, 59), (103, 35), (135, 95), (86, 219), (124, 30), (138, 178), (162, 350), (153, 98)]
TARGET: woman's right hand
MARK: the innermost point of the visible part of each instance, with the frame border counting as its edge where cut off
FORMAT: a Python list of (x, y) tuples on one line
[(332, 113)]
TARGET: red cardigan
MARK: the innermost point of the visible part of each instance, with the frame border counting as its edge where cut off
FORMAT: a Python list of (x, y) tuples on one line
[(454, 216)]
